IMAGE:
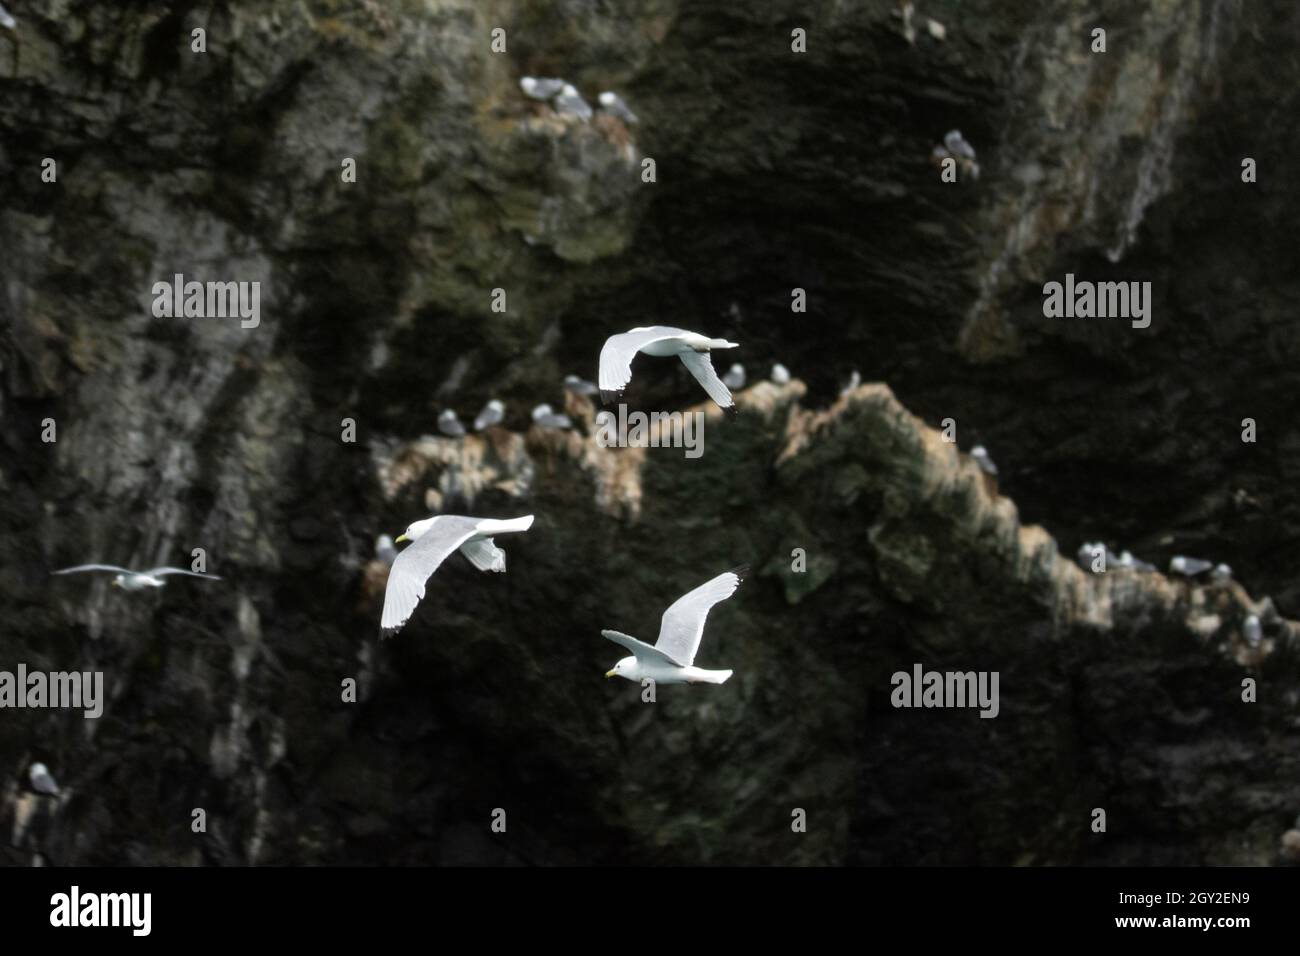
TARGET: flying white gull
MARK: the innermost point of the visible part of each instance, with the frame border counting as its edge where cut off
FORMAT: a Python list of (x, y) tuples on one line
[(492, 414), (580, 386), (450, 425), (547, 418), (780, 374), (42, 781), (613, 104), (662, 341), (541, 87), (570, 103), (432, 542), (129, 580), (671, 659), (735, 377)]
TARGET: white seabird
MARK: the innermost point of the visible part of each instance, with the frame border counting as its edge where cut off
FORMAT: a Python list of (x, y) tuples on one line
[(580, 386), (449, 424), (735, 377), (384, 550), (544, 416), (1189, 567), (541, 87), (662, 341), (1252, 631), (984, 460), (129, 580), (432, 542), (1221, 574), (957, 145), (780, 374), (42, 780), (613, 104), (854, 381), (9, 23), (492, 414), (671, 660), (569, 102)]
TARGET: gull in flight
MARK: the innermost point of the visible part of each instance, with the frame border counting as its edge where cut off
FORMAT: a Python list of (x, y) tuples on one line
[(662, 341), (432, 542), (671, 659), (129, 580)]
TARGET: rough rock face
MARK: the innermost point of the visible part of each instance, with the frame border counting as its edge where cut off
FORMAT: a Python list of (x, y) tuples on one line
[(774, 171)]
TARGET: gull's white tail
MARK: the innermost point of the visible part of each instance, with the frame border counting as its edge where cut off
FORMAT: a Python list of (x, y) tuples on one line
[(713, 677), (490, 526)]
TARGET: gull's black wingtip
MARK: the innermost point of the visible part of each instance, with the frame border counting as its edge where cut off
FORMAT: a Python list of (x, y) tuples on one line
[(386, 632), (741, 571), (609, 396)]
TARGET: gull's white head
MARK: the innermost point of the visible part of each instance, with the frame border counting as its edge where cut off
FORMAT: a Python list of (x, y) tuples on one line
[(569, 90), (415, 531), (624, 668), (607, 98), (119, 580)]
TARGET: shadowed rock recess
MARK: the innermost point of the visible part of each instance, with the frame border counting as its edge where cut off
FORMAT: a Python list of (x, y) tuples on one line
[(775, 170)]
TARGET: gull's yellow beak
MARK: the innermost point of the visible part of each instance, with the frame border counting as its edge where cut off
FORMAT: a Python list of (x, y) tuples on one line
[(610, 673), (400, 538)]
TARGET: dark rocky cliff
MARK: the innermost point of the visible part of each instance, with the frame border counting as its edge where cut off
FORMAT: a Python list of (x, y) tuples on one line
[(774, 171)]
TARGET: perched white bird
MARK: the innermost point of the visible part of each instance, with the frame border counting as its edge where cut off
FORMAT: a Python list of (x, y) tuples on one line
[(957, 145), (671, 659), (492, 414), (541, 87), (545, 417), (1252, 631), (735, 377), (1190, 567), (449, 424), (854, 381), (129, 580), (780, 374), (1127, 560), (6, 19), (984, 460), (1221, 574), (613, 104), (662, 341), (580, 386), (569, 102), (384, 550), (432, 542), (42, 781)]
